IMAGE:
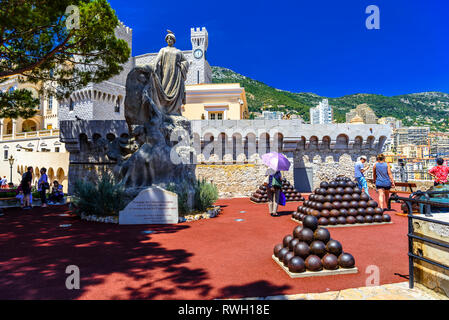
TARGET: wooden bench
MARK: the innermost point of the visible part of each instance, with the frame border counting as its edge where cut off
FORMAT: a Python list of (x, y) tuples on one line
[(409, 185)]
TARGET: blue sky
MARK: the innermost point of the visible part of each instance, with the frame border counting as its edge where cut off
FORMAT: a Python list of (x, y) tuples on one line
[(308, 46)]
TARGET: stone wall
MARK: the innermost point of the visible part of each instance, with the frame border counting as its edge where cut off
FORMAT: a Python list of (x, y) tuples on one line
[(429, 275)]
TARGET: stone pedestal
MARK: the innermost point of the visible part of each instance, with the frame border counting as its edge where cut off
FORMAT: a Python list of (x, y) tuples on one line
[(153, 205)]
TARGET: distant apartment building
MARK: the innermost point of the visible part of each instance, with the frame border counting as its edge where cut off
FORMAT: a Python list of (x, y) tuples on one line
[(322, 113), (363, 111), (439, 144), (417, 136)]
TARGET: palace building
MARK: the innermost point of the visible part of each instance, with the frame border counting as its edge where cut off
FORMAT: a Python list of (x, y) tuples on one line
[(35, 142)]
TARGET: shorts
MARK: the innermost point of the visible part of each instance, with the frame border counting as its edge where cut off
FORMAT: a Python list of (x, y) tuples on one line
[(385, 188)]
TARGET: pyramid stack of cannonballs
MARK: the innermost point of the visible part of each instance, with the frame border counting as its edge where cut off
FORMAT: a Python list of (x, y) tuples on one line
[(341, 202), (291, 194), (310, 248)]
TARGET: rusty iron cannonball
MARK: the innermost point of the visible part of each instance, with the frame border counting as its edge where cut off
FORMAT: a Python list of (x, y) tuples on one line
[(302, 249), (369, 219), (334, 247), (350, 220), (332, 221), (325, 213), (306, 234), (293, 243), (277, 248), (318, 248), (330, 261), (296, 265), (323, 221), (287, 240), (287, 257), (313, 263), (346, 260), (386, 218), (344, 212), (310, 222), (322, 234), (282, 253)]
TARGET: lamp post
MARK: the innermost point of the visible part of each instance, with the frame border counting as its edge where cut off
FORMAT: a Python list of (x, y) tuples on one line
[(11, 162)]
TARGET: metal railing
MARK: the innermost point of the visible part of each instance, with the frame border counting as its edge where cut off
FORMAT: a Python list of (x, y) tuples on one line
[(411, 232), (30, 134)]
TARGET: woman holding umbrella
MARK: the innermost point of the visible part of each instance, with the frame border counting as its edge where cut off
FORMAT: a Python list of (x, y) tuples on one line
[(276, 163)]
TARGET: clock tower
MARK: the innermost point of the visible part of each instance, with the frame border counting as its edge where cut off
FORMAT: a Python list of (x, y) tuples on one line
[(199, 71)]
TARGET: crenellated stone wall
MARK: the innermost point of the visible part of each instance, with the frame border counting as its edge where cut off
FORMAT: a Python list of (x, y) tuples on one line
[(229, 151)]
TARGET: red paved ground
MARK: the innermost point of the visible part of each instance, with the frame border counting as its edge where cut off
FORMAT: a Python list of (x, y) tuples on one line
[(216, 258)]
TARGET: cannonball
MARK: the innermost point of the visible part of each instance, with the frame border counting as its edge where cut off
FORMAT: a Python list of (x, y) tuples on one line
[(295, 215), (301, 216), (343, 212), (363, 204), (317, 191), (287, 257), (316, 214), (323, 191), (338, 197), (293, 243), (313, 263), (323, 221), (372, 203), (360, 219), (386, 218), (340, 190), (319, 206), (351, 184), (327, 206), (349, 190), (287, 240), (370, 211), (335, 213), (361, 211), (318, 248), (336, 205), (345, 205), (355, 196), (325, 213), (306, 233), (377, 218), (324, 185), (332, 221), (379, 211), (334, 247), (341, 220), (357, 190), (350, 220), (364, 197), (346, 260), (322, 234), (352, 212), (277, 248), (302, 250), (296, 265), (320, 198), (310, 222), (297, 232), (332, 184), (298, 209), (311, 197), (330, 261), (329, 198), (347, 198), (369, 219), (341, 184), (354, 204), (331, 191), (282, 253)]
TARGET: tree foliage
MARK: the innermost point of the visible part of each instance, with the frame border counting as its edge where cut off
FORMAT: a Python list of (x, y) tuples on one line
[(39, 41)]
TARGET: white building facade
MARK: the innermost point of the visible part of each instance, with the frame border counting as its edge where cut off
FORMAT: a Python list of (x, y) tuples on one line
[(321, 114)]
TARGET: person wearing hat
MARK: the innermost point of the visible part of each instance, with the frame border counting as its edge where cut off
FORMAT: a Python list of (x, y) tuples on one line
[(359, 170)]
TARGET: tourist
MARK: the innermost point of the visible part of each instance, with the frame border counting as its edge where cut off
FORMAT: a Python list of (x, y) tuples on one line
[(43, 186), (439, 172), (274, 186), (4, 182), (25, 185), (359, 170), (383, 180), (56, 193)]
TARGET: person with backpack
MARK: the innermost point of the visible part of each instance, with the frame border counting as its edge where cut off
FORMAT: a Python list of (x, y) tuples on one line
[(25, 185), (42, 187), (274, 191)]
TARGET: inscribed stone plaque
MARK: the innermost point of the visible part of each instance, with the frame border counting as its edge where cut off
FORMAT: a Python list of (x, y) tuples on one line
[(152, 206)]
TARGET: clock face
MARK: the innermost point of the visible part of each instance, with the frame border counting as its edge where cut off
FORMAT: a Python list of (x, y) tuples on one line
[(198, 53)]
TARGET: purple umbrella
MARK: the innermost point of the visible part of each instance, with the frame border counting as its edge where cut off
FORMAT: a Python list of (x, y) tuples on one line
[(276, 161)]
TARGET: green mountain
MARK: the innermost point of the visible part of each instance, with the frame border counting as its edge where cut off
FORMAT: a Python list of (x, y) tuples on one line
[(422, 109)]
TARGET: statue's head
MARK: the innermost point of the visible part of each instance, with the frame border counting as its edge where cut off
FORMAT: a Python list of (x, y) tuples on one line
[(170, 38)]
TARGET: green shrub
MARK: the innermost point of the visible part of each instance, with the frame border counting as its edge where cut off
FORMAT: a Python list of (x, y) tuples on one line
[(182, 198), (205, 195), (104, 198)]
